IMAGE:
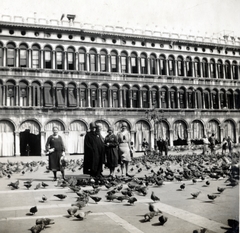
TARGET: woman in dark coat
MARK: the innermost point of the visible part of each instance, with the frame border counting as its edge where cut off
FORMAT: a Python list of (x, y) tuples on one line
[(55, 149), (111, 148)]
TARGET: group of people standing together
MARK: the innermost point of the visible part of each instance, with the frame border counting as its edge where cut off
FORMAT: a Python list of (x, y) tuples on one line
[(210, 143), (109, 151)]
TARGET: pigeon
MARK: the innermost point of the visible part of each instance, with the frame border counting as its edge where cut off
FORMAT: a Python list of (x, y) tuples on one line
[(153, 208), (207, 183), (162, 219), (96, 199), (195, 195), (45, 221), (220, 190), (111, 197), (154, 197), (131, 200), (182, 186), (79, 204), (44, 198), (44, 185), (149, 216), (27, 185), (194, 181), (72, 211), (33, 210), (82, 215), (60, 196), (37, 228), (14, 185), (212, 197), (121, 198), (38, 186), (202, 230)]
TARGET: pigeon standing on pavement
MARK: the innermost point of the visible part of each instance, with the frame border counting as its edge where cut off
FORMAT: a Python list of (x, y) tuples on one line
[(33, 210), (82, 215), (154, 197), (162, 219), (195, 195), (60, 196), (44, 198), (96, 199), (149, 216), (72, 211), (212, 197), (37, 228)]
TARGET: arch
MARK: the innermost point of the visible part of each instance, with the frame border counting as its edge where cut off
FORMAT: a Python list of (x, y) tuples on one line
[(229, 129), (117, 125), (30, 137), (197, 132), (180, 135), (142, 131), (77, 132), (7, 129), (162, 129), (213, 126)]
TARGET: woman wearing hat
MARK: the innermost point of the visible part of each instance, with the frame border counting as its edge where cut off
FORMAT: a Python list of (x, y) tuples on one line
[(111, 148), (124, 147)]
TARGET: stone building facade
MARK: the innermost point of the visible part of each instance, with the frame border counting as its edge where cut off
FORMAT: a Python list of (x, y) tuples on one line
[(68, 74)]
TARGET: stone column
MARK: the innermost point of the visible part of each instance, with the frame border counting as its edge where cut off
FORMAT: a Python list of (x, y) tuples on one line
[(110, 98), (43, 135), (42, 55), (211, 100), (157, 66), (54, 95), (65, 96), (186, 99), (76, 61), (209, 75), (4, 95), (87, 61), (54, 63), (219, 100), (120, 98), (17, 95), (130, 98), (17, 58), (140, 98), (78, 96), (99, 97), (40, 100), (175, 67), (139, 65), (29, 58), (231, 71), (226, 99), (159, 99), (30, 96), (168, 99), (195, 99), (216, 71), (185, 68), (17, 143), (150, 99), (203, 100), (178, 99), (167, 67), (4, 56), (224, 71), (88, 97), (171, 137)]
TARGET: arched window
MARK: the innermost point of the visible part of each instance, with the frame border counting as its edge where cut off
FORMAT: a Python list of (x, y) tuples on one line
[(23, 94), (145, 98), (93, 96), (83, 95), (237, 100), (155, 97), (206, 96), (215, 99), (114, 61), (125, 97), (213, 127), (230, 99), (134, 63), (23, 55), (197, 131), (223, 99), (36, 56), (70, 58), (115, 97), (229, 130), (11, 93), (182, 99), (171, 65), (82, 66), (212, 69), (47, 57), (48, 95), (205, 67), (93, 60), (189, 69), (124, 62), (11, 55), (227, 70), (164, 98), (153, 64), (199, 101), (190, 98), (180, 66), (103, 61), (105, 97), (135, 97), (162, 65), (59, 58), (144, 64), (36, 94), (220, 69), (235, 70), (173, 98), (197, 69), (142, 131), (72, 95), (1, 54), (60, 95)]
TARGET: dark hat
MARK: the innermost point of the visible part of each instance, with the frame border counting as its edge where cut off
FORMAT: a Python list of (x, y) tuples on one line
[(110, 129), (92, 125), (124, 124)]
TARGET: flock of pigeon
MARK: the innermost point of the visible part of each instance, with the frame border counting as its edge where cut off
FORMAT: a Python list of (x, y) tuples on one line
[(147, 171)]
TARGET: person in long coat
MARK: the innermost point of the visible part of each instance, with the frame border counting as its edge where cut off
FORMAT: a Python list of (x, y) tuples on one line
[(55, 150), (111, 148)]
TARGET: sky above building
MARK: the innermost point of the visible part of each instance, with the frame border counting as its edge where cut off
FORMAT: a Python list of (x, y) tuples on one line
[(193, 17)]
